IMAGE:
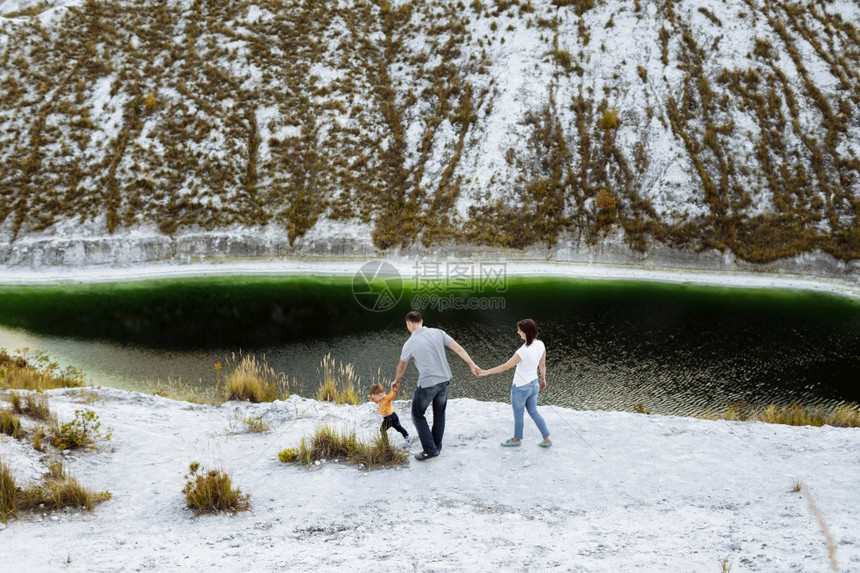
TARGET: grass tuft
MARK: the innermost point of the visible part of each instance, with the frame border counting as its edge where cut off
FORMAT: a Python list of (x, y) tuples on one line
[(330, 444), (250, 424), (8, 493), (185, 392), (36, 372), (10, 424), (37, 407), (254, 380), (58, 490), (338, 382), (794, 414), (212, 492)]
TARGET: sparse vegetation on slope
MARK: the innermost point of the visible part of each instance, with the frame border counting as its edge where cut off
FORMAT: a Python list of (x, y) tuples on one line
[(503, 123)]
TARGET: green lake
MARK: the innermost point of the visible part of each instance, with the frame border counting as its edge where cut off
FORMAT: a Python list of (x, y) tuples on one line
[(674, 348)]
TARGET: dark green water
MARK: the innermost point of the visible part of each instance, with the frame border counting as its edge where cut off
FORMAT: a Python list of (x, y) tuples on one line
[(675, 348)]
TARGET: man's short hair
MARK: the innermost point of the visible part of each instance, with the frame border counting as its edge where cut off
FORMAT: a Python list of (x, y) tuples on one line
[(414, 316)]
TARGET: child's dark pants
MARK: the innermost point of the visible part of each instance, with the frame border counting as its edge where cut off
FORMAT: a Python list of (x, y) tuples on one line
[(392, 421)]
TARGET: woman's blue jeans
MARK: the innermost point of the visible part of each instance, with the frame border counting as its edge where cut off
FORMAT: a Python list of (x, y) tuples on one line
[(431, 440), (525, 398)]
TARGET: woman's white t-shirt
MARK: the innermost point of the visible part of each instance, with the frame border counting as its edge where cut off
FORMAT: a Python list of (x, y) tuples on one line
[(527, 367)]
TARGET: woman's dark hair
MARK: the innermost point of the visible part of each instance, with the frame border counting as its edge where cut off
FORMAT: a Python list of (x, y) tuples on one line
[(414, 316), (529, 328)]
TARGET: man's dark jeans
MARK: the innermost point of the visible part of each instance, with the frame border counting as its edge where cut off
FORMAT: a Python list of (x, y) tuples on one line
[(431, 440)]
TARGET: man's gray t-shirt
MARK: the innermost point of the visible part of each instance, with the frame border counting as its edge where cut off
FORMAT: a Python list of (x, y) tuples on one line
[(427, 347)]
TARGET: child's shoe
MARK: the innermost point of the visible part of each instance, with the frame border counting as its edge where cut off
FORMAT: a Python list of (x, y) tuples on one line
[(408, 441)]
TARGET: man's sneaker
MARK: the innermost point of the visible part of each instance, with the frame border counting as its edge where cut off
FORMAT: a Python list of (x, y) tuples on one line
[(408, 441), (424, 456)]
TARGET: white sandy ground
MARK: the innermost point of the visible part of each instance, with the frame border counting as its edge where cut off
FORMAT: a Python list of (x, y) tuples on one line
[(616, 492)]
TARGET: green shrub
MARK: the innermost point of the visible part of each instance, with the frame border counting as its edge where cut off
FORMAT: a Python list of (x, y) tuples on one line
[(212, 492), (83, 431)]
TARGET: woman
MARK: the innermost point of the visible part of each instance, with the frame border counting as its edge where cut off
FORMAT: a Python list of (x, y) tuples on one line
[(528, 359)]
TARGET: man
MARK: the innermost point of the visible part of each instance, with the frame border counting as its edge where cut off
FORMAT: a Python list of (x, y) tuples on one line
[(427, 347)]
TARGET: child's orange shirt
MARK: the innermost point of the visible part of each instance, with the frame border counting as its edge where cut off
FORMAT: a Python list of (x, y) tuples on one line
[(385, 405)]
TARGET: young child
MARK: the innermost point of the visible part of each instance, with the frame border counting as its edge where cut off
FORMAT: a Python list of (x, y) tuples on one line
[(386, 408)]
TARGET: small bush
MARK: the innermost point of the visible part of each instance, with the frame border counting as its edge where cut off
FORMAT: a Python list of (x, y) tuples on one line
[(640, 408), (289, 455), (150, 101), (212, 492), (83, 431), (609, 119), (605, 201), (10, 424), (255, 381)]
